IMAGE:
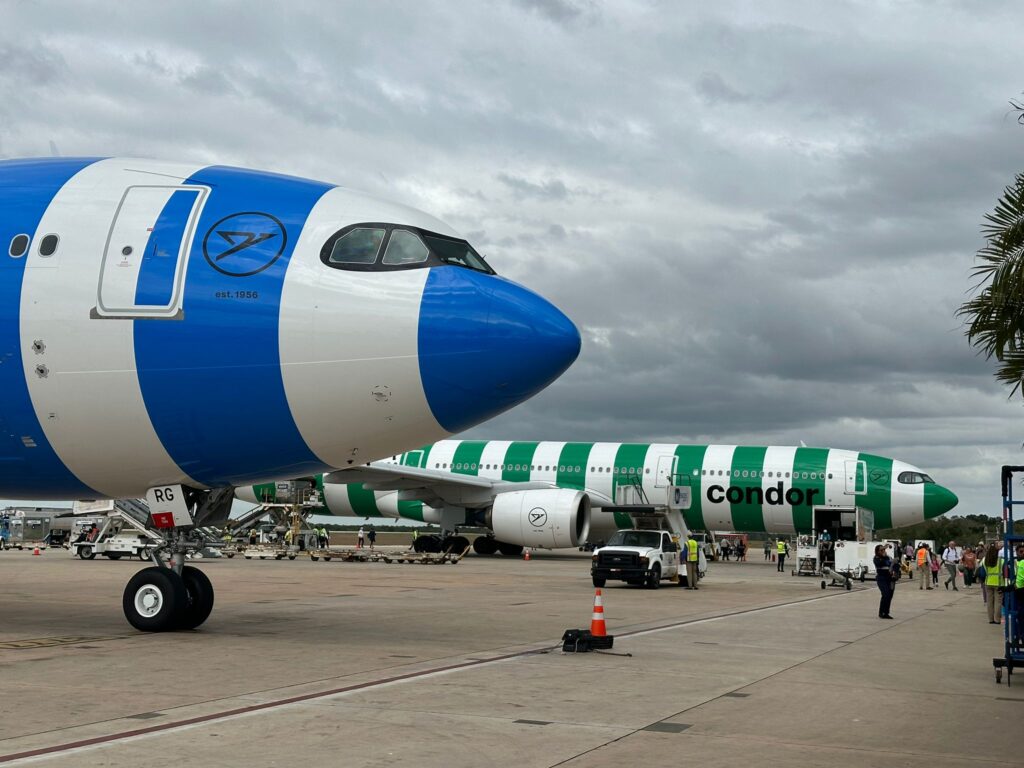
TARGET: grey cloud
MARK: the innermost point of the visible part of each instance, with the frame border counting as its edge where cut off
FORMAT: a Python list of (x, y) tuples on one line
[(548, 190)]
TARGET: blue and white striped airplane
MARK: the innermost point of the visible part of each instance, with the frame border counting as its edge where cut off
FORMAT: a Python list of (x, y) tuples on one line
[(180, 329)]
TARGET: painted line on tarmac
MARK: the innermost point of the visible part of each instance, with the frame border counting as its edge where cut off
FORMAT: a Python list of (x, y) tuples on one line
[(96, 742)]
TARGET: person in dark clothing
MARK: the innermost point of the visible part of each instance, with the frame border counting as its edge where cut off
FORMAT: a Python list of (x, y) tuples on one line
[(884, 578)]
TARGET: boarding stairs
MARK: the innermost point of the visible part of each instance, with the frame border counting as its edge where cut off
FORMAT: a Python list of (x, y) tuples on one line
[(658, 514)]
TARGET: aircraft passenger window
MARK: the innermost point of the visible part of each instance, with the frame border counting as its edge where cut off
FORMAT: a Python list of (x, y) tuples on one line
[(405, 248), (474, 466), (358, 246), (829, 475), (18, 247), (48, 245)]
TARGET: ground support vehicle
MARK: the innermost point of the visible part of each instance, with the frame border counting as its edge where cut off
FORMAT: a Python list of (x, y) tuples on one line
[(122, 532), (654, 549), (1013, 630), (808, 556)]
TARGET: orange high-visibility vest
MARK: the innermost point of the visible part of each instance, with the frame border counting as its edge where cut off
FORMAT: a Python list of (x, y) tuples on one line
[(922, 557)]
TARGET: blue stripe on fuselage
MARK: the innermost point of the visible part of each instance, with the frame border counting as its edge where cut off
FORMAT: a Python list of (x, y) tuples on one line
[(212, 380), (160, 258), (27, 471)]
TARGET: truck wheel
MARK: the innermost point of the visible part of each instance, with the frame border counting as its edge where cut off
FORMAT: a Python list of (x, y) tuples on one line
[(87, 553), (599, 582), (113, 555), (654, 580)]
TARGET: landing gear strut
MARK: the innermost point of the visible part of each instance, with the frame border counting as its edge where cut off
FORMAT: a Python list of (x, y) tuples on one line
[(170, 595)]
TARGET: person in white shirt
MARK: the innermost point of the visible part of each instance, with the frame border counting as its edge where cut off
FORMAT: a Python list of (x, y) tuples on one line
[(951, 559)]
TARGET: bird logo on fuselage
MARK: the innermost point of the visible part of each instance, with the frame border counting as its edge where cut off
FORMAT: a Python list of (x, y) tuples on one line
[(244, 244)]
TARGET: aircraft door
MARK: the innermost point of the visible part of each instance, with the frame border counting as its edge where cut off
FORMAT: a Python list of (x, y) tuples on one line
[(856, 478), (143, 270), (666, 469)]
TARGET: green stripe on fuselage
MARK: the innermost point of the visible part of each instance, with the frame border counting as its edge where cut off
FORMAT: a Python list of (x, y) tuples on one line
[(748, 513), (629, 462), (364, 503), (628, 456), (572, 465), (690, 458), (811, 462), (879, 496), (518, 455), (266, 493), (411, 510), (466, 460)]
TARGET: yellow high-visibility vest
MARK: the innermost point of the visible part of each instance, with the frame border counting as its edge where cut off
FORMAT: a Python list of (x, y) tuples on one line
[(781, 547), (691, 550), (994, 576)]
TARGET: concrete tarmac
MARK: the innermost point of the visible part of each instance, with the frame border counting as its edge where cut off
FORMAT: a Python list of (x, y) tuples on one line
[(326, 664)]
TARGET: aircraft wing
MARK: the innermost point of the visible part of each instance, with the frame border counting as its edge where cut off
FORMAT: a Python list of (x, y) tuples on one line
[(431, 486)]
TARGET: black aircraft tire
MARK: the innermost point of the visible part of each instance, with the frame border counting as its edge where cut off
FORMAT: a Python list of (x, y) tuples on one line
[(510, 550), (484, 545), (154, 600), (199, 604), (456, 545)]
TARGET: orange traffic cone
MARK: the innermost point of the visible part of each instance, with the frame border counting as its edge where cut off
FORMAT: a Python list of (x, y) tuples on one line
[(597, 628), (36, 551), (526, 554)]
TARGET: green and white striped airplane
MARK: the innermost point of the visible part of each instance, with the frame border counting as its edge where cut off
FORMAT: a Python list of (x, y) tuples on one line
[(551, 494)]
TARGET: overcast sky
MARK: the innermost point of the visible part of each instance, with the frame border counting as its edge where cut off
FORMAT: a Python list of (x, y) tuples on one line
[(761, 220)]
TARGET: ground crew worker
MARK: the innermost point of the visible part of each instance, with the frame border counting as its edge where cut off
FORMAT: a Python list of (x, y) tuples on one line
[(288, 537), (782, 549), (923, 566), (993, 581), (1018, 591), (691, 562)]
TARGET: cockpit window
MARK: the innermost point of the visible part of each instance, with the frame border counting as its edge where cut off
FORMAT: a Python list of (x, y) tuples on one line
[(382, 247), (457, 252), (913, 478), (357, 246), (405, 248)]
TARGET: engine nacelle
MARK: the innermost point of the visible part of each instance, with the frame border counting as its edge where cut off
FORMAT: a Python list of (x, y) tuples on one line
[(549, 519)]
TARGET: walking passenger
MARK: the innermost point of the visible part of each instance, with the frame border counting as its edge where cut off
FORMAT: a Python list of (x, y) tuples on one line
[(360, 538), (884, 578), (923, 566), (372, 536), (767, 549), (951, 559), (934, 563), (969, 563)]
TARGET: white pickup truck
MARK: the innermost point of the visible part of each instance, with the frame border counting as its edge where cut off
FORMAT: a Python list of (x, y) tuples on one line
[(641, 557)]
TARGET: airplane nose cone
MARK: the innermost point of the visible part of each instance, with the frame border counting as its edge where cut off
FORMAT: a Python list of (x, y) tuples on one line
[(487, 344), (938, 501)]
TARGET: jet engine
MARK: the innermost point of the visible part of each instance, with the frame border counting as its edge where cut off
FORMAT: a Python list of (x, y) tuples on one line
[(549, 519)]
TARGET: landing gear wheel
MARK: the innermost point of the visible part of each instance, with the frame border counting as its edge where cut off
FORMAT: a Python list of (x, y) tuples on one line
[(599, 582), (456, 545), (654, 580), (428, 543), (199, 591), (154, 600), (485, 545), (510, 550), (849, 586), (87, 553), (823, 585)]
